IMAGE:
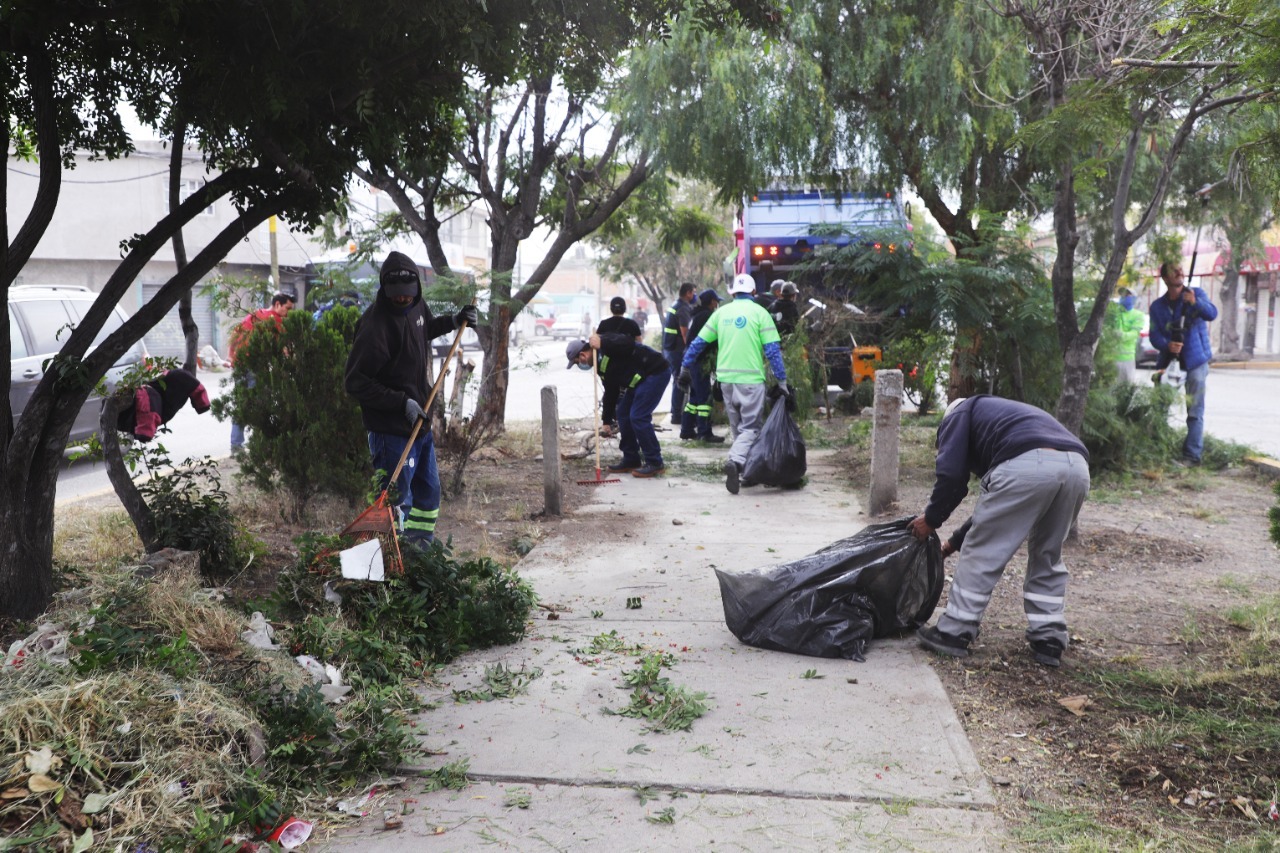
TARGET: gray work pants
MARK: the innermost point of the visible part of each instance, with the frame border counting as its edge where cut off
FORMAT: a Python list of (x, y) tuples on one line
[(744, 404), (1035, 498)]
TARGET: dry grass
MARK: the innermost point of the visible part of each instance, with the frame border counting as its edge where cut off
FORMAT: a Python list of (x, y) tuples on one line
[(154, 749), (176, 603), (85, 536)]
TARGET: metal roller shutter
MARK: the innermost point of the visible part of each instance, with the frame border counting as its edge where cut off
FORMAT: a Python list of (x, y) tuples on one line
[(166, 338)]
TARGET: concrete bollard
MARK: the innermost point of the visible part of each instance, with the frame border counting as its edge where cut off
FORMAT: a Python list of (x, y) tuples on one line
[(884, 441), (551, 485)]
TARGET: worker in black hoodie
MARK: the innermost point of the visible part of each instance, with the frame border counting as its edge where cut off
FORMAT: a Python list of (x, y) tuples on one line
[(387, 373)]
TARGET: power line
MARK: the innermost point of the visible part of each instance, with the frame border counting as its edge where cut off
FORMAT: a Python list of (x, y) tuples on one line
[(111, 181)]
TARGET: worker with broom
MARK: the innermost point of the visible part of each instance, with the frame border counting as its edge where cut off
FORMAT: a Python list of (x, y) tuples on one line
[(387, 374), (641, 376)]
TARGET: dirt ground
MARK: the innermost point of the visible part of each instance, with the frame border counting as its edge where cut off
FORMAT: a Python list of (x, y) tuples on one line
[(1156, 566)]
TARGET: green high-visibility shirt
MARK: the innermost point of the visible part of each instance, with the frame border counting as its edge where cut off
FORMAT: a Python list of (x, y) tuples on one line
[(741, 329)]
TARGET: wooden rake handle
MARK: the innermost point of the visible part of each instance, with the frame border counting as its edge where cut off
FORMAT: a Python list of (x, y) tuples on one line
[(435, 389)]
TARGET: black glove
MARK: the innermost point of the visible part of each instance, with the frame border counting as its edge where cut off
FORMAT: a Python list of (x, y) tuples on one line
[(412, 411), (467, 315), (685, 380)]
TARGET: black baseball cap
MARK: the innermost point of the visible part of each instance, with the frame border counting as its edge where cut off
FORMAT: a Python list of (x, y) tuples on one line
[(617, 305)]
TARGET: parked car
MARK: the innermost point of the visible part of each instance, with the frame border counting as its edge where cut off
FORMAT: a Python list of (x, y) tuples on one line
[(542, 326), (1147, 354), (40, 321), (470, 341), (568, 327)]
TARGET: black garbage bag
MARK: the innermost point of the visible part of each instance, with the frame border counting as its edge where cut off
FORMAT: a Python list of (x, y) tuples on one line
[(877, 583), (777, 457)]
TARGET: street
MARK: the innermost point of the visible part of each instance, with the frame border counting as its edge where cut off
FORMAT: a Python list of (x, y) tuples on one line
[(1242, 405)]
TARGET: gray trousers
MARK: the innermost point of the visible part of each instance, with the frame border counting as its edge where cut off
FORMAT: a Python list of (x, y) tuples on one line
[(744, 404), (1034, 498)]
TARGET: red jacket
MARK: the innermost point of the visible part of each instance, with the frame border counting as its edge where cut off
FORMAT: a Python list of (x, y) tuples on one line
[(241, 332)]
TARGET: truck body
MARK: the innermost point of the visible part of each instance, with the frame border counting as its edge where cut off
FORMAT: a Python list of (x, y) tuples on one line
[(781, 229)]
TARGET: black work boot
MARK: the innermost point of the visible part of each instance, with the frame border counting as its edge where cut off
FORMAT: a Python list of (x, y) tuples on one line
[(1047, 652), (942, 643), (731, 476)]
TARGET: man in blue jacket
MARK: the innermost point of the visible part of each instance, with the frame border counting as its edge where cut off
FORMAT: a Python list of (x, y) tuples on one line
[(1035, 477), (1180, 327)]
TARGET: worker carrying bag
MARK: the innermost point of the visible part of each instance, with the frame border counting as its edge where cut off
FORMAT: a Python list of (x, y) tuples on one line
[(880, 582), (777, 457)]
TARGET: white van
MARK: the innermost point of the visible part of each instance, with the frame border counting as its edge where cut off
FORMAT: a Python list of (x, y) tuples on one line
[(40, 321)]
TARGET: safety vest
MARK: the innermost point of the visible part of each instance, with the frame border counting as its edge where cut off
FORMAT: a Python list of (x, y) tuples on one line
[(740, 329), (671, 328)]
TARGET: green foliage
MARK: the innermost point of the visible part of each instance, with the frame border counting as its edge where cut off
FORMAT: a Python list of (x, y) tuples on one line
[(191, 512), (327, 743), (925, 357), (439, 608), (499, 683), (1126, 428), (1274, 515), (113, 644), (450, 777), (795, 357), (305, 429), (664, 706)]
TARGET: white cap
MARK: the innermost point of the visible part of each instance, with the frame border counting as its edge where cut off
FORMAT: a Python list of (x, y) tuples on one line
[(742, 283), (951, 407)]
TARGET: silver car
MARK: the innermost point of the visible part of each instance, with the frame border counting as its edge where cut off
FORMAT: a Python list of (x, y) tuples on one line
[(40, 321)]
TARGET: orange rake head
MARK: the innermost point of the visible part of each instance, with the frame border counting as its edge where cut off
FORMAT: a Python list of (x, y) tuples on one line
[(379, 521), (598, 481)]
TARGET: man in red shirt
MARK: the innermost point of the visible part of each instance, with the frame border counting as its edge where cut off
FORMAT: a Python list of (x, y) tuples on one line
[(281, 304)]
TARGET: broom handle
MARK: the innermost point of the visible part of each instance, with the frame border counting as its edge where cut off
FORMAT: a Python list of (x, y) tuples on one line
[(595, 407), (435, 389)]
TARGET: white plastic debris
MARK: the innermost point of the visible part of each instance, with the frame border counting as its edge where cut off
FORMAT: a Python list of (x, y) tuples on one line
[(49, 642), (259, 633), (331, 595), (314, 667), (363, 562)]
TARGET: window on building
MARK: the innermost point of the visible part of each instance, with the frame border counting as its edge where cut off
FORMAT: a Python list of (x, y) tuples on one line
[(185, 192)]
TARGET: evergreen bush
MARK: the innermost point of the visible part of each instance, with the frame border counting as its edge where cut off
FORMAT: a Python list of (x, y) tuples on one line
[(306, 437), (1126, 428)]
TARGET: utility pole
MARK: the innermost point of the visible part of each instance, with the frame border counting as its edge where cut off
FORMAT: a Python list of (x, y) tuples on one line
[(275, 255)]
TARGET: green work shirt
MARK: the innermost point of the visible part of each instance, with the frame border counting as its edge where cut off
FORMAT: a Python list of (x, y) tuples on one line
[(740, 329)]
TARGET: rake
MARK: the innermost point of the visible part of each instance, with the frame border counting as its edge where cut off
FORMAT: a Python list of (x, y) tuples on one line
[(595, 417), (379, 519)]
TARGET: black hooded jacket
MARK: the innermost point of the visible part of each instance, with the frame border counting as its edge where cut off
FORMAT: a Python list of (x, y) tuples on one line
[(391, 354)]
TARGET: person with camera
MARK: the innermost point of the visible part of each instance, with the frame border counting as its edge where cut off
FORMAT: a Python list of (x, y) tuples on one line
[(1180, 329)]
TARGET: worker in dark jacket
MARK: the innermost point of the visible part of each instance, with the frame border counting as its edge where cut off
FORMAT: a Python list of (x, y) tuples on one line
[(1035, 477), (616, 323), (388, 374), (697, 411), (675, 337), (785, 311), (639, 375)]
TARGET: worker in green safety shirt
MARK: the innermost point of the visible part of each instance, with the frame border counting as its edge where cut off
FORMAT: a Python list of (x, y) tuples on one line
[(746, 338)]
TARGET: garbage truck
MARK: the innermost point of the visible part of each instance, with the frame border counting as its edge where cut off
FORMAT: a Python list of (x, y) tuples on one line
[(784, 231)]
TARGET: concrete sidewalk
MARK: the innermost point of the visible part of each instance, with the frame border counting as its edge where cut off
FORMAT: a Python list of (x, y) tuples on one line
[(866, 756)]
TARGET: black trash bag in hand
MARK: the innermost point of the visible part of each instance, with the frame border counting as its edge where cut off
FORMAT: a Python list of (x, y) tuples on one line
[(879, 582), (777, 458)]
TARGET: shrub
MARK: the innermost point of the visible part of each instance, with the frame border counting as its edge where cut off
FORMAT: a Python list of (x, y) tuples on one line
[(439, 608), (1126, 428), (306, 437), (190, 511)]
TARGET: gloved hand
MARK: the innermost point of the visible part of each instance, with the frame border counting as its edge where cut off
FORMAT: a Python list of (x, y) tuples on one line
[(412, 411), (468, 314), (785, 390), (685, 380)]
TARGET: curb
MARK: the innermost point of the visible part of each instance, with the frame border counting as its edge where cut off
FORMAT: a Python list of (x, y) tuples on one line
[(1246, 365), (1264, 465)]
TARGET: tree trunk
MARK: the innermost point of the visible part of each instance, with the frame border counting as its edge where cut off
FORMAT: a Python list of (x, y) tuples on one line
[(26, 528), (190, 331), (121, 481), (1229, 297), (492, 396)]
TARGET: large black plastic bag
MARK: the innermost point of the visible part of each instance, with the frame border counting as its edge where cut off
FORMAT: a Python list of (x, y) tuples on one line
[(879, 582), (777, 457)]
